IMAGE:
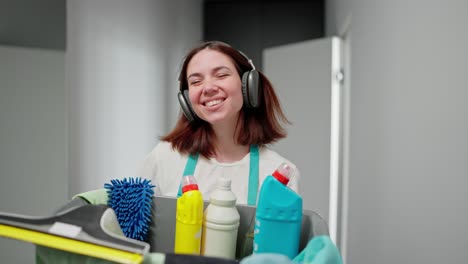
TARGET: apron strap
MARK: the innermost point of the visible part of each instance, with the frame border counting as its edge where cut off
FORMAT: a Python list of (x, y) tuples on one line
[(189, 169), (253, 173)]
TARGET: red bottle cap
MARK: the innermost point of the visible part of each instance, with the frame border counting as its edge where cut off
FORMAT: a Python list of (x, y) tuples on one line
[(189, 183), (283, 173)]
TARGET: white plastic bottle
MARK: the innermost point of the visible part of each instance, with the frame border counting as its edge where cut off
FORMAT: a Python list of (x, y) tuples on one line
[(221, 222)]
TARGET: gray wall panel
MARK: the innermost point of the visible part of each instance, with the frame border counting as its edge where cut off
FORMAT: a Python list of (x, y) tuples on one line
[(408, 153)]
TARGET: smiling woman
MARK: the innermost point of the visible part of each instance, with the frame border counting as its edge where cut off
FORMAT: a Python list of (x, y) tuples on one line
[(230, 114)]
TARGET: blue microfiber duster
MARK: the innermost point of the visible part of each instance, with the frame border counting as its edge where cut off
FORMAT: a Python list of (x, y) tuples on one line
[(131, 200)]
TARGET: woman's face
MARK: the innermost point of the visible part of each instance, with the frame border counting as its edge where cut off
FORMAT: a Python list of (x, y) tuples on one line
[(214, 87)]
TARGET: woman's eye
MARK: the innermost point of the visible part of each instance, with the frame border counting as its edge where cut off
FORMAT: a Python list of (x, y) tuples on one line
[(194, 82), (222, 75)]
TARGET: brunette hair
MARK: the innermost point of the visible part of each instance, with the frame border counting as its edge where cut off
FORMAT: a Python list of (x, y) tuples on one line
[(262, 125)]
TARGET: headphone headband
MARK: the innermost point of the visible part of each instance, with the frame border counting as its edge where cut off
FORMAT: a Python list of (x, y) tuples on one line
[(240, 52), (247, 58)]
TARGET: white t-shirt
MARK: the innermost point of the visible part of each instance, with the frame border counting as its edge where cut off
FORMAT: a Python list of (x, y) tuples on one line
[(164, 167)]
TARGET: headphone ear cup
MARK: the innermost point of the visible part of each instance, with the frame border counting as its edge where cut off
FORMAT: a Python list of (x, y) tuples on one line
[(186, 106), (251, 89), (245, 88)]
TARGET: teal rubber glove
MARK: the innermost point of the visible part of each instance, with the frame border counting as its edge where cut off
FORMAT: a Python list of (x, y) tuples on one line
[(94, 197), (319, 250), (154, 258), (266, 258)]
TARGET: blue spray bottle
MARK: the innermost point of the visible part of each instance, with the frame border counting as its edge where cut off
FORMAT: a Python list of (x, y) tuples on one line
[(278, 217)]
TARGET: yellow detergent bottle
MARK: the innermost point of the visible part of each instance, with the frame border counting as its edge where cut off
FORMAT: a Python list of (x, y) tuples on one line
[(189, 218)]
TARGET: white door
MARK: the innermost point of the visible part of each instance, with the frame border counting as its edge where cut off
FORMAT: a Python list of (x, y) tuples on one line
[(304, 74)]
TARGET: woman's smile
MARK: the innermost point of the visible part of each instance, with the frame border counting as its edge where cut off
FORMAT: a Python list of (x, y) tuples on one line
[(213, 102)]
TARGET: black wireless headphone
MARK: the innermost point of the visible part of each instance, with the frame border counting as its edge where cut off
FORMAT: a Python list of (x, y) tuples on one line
[(250, 91)]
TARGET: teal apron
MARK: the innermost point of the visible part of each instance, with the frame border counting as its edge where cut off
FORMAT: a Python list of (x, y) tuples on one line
[(253, 173)]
